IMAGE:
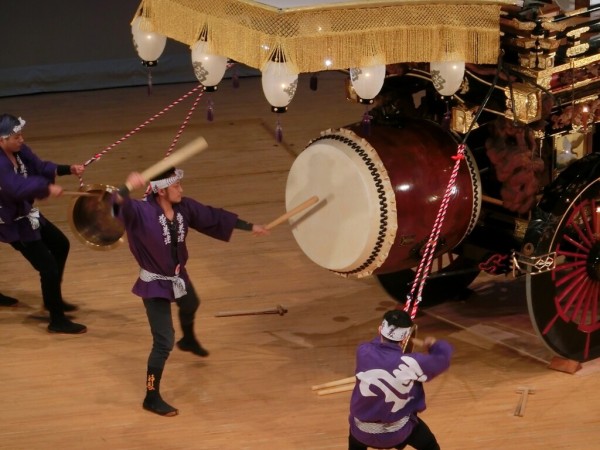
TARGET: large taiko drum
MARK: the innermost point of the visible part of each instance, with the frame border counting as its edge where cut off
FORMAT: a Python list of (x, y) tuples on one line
[(379, 195)]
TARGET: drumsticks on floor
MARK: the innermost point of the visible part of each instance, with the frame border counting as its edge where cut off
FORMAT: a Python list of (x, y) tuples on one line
[(333, 387), (292, 212), (251, 312), (346, 384)]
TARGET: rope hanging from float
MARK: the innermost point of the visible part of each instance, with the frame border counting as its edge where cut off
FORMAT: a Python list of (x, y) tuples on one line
[(184, 124), (99, 155), (412, 301), (427, 259)]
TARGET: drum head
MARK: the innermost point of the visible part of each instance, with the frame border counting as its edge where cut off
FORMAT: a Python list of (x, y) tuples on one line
[(353, 226)]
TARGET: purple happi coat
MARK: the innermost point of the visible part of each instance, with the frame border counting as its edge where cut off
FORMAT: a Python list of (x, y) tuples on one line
[(19, 187), (389, 390), (150, 241)]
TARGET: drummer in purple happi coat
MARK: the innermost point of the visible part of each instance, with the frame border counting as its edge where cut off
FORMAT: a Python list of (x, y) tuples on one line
[(156, 229), (25, 178), (389, 393)]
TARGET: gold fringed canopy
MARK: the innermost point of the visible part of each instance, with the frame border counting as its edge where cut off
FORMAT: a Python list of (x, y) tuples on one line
[(348, 34)]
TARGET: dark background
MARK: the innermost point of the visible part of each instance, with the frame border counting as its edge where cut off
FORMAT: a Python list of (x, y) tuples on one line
[(66, 45)]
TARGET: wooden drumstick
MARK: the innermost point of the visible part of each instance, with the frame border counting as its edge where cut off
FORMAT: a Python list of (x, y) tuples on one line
[(335, 390), (301, 207), (82, 194), (346, 384), (277, 310), (334, 383), (187, 151)]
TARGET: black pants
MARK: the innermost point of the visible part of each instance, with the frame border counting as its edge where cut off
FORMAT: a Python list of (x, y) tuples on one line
[(160, 319), (48, 256), (421, 438)]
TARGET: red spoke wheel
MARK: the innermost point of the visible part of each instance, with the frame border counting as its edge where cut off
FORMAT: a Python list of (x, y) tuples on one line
[(564, 303)]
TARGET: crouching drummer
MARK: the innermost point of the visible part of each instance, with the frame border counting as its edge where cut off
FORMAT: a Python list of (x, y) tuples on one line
[(389, 394)]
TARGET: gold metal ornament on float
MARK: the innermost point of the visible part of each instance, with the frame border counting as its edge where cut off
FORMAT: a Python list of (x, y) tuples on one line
[(92, 220)]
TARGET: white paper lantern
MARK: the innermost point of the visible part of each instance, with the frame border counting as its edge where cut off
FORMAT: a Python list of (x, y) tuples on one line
[(149, 45), (208, 67), (279, 83), (447, 76), (367, 81)]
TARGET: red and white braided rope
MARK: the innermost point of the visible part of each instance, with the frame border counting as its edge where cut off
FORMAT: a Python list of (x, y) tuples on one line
[(99, 155), (184, 123), (427, 259)]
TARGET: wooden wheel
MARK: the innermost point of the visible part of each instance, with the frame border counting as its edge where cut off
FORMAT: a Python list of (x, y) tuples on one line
[(450, 276), (564, 303)]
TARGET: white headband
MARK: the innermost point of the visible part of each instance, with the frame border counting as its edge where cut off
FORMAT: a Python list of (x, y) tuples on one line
[(166, 182), (16, 129), (394, 333)]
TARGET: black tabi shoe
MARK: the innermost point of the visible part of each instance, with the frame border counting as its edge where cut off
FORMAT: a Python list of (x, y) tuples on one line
[(158, 406), (7, 301), (65, 326), (193, 346), (67, 307)]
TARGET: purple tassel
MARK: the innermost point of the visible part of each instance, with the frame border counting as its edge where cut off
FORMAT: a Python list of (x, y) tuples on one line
[(235, 80), (149, 81), (366, 123), (446, 121), (279, 132), (210, 113), (314, 82)]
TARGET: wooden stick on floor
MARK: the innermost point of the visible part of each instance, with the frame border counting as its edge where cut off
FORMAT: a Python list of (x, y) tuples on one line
[(520, 409), (333, 387), (334, 383), (335, 390), (277, 310), (346, 384)]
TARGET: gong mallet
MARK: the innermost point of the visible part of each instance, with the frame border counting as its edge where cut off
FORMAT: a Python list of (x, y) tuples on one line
[(186, 152), (277, 310), (82, 194), (524, 391), (292, 212)]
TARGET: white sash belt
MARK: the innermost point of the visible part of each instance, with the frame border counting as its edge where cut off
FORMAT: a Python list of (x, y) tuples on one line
[(378, 428), (178, 283), (34, 218)]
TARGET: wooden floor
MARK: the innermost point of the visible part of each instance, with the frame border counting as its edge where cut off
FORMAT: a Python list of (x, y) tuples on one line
[(253, 392)]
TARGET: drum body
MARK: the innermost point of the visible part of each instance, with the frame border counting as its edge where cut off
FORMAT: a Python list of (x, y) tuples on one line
[(379, 196)]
